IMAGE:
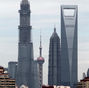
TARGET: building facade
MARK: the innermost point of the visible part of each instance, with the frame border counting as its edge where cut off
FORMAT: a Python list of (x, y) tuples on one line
[(36, 75), (84, 83), (25, 51), (55, 86), (69, 58), (54, 69), (12, 69), (5, 81)]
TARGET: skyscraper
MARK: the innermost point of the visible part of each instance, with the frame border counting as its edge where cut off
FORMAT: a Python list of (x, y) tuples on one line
[(40, 61), (69, 58), (36, 75), (25, 50), (12, 69), (54, 74)]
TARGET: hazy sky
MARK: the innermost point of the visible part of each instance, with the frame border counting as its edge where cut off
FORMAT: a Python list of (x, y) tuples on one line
[(44, 15)]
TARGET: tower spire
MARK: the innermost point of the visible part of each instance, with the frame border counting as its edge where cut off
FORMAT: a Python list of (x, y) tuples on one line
[(54, 29), (40, 48)]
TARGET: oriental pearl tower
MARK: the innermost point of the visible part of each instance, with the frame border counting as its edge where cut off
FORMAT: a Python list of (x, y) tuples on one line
[(40, 61)]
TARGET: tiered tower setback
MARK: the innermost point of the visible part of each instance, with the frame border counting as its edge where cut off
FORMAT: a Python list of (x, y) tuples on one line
[(25, 50), (54, 68)]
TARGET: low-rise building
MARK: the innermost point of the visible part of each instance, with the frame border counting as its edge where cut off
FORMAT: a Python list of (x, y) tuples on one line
[(5, 81), (84, 83)]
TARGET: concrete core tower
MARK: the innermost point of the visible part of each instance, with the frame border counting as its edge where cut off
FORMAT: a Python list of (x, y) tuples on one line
[(25, 50)]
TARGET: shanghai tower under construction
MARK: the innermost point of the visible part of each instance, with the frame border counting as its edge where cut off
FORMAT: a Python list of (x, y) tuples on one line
[(25, 50)]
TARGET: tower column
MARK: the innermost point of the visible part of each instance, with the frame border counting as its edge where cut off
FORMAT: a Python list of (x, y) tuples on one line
[(40, 61)]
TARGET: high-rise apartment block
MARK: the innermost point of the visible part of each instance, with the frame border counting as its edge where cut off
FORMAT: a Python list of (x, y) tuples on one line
[(5, 80)]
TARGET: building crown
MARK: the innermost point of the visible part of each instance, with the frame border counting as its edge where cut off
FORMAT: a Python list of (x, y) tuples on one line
[(54, 35), (24, 2), (54, 29)]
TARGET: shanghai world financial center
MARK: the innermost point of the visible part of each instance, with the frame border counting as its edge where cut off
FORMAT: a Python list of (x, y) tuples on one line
[(69, 45)]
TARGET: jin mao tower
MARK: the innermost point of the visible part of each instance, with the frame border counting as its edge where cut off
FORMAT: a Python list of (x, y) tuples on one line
[(54, 69)]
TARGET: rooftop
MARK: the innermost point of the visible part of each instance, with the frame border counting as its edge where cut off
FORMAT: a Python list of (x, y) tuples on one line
[(24, 2)]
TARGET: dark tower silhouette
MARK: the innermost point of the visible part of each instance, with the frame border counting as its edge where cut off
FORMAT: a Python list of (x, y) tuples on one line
[(88, 72), (54, 60), (40, 61), (25, 50)]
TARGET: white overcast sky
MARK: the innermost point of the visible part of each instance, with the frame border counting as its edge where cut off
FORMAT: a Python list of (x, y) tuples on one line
[(44, 15)]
